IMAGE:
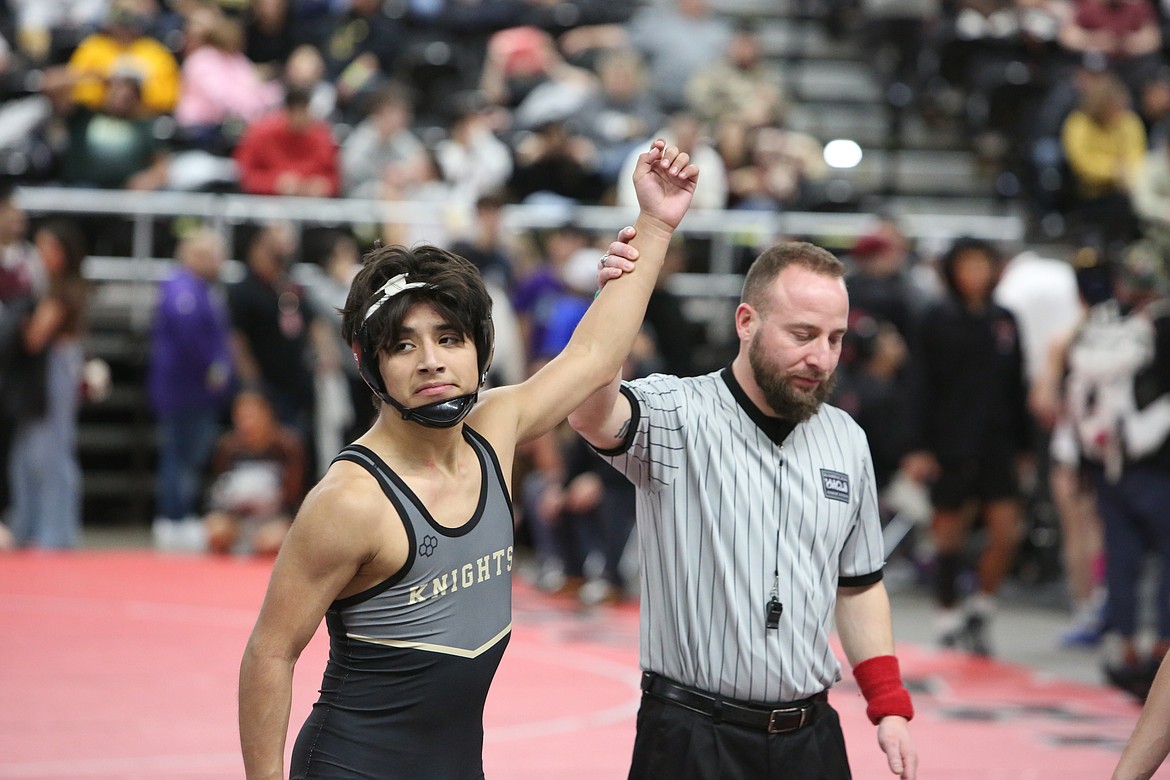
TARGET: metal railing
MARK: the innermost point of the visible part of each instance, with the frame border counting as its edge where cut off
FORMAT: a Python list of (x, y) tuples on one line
[(727, 230)]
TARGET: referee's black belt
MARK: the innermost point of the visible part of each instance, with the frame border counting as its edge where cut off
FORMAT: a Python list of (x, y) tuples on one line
[(777, 719)]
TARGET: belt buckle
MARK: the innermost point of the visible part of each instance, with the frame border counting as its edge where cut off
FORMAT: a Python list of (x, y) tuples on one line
[(773, 728)]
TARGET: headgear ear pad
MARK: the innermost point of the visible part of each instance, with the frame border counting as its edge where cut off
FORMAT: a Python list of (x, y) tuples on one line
[(367, 364), (485, 347)]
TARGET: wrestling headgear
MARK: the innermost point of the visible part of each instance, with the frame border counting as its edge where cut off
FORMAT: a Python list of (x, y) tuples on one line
[(440, 414)]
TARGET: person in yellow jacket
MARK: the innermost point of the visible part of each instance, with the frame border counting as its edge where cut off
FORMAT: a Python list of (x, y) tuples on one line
[(123, 44), (1104, 143)]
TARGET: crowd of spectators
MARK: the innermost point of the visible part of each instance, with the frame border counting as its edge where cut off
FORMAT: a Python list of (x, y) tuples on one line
[(1068, 100), (546, 99), (535, 100), (476, 104)]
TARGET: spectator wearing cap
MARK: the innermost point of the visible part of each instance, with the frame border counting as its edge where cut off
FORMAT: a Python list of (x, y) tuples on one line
[(288, 152), (123, 44), (524, 63), (880, 283)]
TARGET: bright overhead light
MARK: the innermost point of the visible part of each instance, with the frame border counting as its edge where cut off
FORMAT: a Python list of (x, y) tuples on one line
[(842, 153)]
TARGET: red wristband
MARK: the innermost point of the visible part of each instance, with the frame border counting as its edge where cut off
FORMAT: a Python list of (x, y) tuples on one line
[(880, 681)]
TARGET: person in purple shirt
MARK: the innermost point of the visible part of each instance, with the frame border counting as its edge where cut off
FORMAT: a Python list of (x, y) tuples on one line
[(189, 382), (535, 295)]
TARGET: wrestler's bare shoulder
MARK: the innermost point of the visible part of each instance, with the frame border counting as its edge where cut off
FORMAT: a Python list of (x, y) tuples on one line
[(347, 498)]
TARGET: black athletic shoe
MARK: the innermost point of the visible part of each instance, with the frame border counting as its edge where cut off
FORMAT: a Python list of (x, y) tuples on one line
[(1133, 679), (975, 635), (953, 639)]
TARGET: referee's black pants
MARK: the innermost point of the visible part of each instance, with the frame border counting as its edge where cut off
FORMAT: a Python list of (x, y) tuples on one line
[(675, 743)]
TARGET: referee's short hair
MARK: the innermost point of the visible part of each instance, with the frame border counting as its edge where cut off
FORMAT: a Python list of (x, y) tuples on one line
[(765, 268)]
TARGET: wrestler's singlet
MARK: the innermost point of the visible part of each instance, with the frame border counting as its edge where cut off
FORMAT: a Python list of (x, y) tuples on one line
[(411, 659)]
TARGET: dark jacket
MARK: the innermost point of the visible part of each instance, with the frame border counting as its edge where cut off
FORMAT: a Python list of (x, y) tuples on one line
[(23, 375), (969, 391)]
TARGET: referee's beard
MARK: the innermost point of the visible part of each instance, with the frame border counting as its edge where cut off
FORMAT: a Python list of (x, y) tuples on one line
[(789, 402)]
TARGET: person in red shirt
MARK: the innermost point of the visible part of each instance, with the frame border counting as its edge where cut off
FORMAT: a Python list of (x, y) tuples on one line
[(288, 152)]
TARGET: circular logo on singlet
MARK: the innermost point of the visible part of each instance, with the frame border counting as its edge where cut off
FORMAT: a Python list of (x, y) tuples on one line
[(428, 546)]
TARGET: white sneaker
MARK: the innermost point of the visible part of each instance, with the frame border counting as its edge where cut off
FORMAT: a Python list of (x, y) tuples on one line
[(190, 535), (165, 533), (1086, 627), (948, 627)]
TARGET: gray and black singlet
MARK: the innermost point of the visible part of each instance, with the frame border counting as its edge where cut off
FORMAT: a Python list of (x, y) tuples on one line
[(411, 659)]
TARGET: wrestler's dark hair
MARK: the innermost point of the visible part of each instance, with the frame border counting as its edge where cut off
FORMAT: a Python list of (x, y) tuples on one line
[(765, 268)]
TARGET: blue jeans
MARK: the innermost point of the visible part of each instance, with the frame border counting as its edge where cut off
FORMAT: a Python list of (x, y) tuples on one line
[(43, 471), (185, 442), (1135, 515)]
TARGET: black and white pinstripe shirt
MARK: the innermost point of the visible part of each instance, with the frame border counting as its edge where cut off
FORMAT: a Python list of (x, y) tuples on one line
[(726, 497)]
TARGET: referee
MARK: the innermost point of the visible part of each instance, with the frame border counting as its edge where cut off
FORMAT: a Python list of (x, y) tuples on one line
[(758, 525)]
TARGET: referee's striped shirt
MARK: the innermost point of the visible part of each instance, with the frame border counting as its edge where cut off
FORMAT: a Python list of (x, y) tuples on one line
[(717, 479)]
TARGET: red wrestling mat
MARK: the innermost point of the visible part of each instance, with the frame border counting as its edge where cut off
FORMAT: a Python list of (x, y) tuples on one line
[(123, 666)]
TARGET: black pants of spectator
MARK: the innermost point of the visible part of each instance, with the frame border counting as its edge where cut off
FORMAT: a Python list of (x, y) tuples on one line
[(1133, 517), (7, 428), (606, 529), (1107, 222), (674, 743)]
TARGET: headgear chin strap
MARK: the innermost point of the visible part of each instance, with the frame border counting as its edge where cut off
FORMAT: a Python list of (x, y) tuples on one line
[(440, 414)]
